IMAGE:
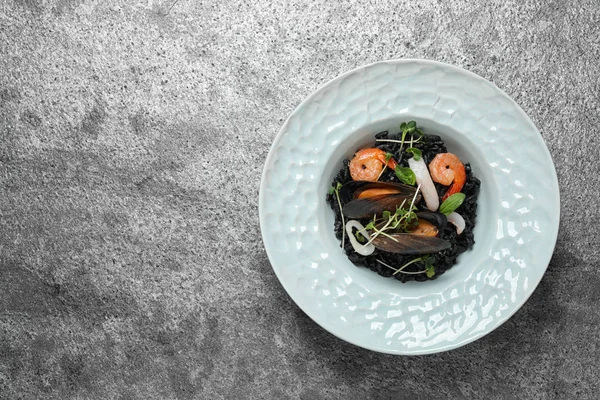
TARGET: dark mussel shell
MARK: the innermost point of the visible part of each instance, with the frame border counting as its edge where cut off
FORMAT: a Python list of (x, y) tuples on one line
[(436, 218), (353, 189), (369, 206), (408, 244)]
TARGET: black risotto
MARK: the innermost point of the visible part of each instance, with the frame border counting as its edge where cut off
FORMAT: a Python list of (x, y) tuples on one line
[(384, 263)]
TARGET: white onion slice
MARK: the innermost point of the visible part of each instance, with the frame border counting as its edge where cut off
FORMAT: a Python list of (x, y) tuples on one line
[(424, 179), (457, 220), (363, 250)]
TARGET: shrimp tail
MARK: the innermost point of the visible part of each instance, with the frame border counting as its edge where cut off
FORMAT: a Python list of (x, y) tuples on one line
[(391, 163), (459, 181)]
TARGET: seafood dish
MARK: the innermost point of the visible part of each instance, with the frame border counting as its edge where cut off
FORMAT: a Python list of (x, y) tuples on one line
[(405, 207)]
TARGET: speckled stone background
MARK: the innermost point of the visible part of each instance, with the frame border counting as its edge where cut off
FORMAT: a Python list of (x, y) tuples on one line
[(132, 138)]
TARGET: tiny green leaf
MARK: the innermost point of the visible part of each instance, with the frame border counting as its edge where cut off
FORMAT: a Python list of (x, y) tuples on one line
[(415, 152), (428, 259), (387, 214), (403, 125), (387, 157), (452, 203), (406, 175), (331, 190), (339, 186), (420, 132), (370, 225), (412, 124), (430, 270), (359, 237)]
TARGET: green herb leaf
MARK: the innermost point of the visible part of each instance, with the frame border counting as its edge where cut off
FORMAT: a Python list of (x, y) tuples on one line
[(387, 157), (403, 126), (430, 270), (359, 237), (406, 175), (370, 225), (428, 259), (331, 190), (339, 186), (415, 152), (420, 132), (412, 124), (387, 214), (452, 203)]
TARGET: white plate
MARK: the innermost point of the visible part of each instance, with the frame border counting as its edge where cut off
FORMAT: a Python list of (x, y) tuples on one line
[(516, 227)]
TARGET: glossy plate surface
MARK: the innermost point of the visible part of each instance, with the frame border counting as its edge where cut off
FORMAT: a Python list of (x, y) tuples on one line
[(516, 227)]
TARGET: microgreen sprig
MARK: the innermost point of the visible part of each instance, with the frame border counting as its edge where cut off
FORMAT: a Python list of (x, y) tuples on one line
[(410, 127), (427, 260), (429, 270), (388, 156), (415, 152), (406, 128), (410, 263), (371, 226), (359, 236), (400, 219), (336, 189)]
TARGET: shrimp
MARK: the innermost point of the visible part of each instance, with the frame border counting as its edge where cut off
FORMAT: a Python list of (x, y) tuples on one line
[(446, 168), (367, 164)]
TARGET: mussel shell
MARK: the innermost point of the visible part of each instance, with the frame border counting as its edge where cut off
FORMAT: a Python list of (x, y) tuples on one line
[(436, 218), (352, 189), (439, 220), (367, 207), (408, 244)]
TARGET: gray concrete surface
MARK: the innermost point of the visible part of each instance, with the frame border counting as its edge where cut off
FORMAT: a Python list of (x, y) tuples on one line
[(131, 264)]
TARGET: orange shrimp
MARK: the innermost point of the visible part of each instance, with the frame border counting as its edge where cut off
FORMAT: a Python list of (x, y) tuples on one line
[(446, 168), (367, 164)]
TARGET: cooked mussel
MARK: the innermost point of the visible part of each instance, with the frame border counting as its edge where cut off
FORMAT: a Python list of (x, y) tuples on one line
[(428, 223), (424, 228), (436, 218), (353, 189), (420, 240), (364, 199), (410, 244)]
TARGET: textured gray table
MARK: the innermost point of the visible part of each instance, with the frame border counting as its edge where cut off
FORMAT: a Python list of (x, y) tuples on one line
[(131, 264)]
